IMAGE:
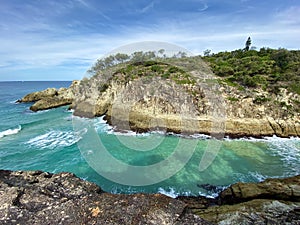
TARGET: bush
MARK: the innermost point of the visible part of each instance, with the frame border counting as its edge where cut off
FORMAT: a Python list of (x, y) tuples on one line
[(233, 99), (249, 81), (174, 69), (157, 68), (261, 99), (295, 87), (166, 75)]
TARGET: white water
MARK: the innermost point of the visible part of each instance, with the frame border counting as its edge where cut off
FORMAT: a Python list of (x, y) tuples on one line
[(10, 132), (54, 139)]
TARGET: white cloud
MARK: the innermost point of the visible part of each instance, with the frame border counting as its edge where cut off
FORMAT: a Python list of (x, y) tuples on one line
[(41, 43), (289, 16), (147, 7), (204, 7), (38, 50), (84, 3)]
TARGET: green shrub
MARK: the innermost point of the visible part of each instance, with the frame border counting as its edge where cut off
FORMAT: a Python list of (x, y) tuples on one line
[(174, 69), (233, 99), (295, 87), (261, 99), (166, 75), (156, 68), (230, 82), (150, 63), (249, 81), (183, 81)]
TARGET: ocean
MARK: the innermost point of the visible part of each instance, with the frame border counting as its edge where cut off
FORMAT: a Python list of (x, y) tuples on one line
[(52, 141)]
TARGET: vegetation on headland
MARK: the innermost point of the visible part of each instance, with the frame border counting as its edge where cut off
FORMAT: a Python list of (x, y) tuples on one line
[(268, 69), (149, 64), (259, 74)]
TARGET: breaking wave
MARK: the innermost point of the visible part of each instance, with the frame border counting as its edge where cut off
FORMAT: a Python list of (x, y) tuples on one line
[(55, 139), (10, 131)]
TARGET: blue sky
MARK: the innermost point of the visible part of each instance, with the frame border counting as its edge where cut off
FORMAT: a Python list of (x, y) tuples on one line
[(60, 39)]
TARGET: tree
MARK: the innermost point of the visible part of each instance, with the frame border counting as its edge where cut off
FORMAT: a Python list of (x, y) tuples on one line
[(161, 52), (281, 57), (207, 52), (248, 44), (120, 57)]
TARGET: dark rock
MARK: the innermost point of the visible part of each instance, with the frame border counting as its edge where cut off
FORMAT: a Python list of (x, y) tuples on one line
[(211, 188), (273, 201), (36, 197), (198, 202), (280, 189), (42, 198)]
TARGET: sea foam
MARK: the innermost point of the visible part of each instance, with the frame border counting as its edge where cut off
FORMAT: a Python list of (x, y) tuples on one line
[(56, 138), (288, 149), (10, 131)]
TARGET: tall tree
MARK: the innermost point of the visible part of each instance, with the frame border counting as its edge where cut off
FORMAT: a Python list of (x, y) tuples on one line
[(248, 44)]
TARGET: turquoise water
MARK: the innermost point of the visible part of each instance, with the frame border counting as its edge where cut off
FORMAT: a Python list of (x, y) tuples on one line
[(48, 141)]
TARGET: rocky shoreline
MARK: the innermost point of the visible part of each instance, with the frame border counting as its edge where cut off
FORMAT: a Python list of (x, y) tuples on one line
[(36, 197), (241, 119)]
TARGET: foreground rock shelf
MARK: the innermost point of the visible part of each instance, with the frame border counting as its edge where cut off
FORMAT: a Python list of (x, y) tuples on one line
[(35, 197)]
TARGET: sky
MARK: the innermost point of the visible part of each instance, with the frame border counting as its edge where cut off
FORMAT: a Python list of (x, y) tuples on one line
[(61, 39)]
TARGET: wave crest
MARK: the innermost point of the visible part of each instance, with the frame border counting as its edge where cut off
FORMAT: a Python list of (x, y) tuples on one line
[(10, 131)]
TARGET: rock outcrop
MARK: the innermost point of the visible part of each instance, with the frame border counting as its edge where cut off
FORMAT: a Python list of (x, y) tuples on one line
[(51, 97), (140, 97), (35, 197), (42, 198), (274, 201)]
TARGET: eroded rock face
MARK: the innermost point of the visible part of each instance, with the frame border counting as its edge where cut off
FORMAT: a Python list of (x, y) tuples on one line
[(274, 201), (258, 211), (36, 96), (287, 189), (148, 102), (42, 198)]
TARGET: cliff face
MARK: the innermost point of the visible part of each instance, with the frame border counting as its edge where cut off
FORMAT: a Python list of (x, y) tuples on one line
[(177, 96), (35, 197)]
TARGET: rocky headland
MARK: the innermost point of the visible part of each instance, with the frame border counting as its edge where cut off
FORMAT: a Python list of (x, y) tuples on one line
[(51, 97), (176, 95), (35, 197)]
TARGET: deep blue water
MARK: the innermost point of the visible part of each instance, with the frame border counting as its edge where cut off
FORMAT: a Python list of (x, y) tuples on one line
[(55, 141)]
